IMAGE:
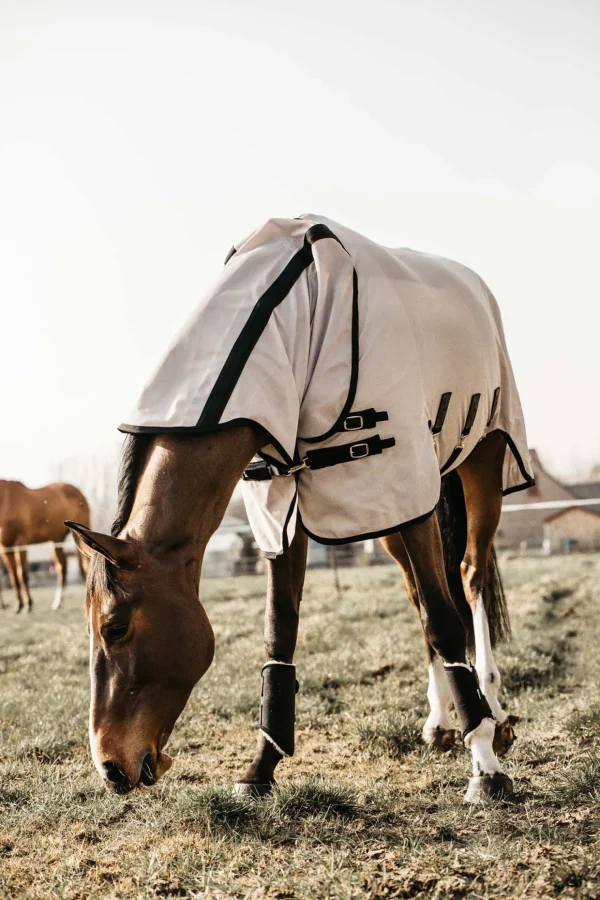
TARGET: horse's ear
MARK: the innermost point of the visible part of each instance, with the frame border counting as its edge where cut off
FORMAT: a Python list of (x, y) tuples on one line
[(117, 551)]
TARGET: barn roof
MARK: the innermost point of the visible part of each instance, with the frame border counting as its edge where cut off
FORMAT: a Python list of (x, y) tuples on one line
[(587, 490)]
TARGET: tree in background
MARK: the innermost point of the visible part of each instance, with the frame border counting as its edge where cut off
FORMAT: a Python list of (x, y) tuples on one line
[(97, 477)]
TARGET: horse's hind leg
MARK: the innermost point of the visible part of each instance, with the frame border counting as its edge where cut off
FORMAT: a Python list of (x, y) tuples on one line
[(276, 736), (60, 565), (438, 730), (23, 574), (481, 477), (10, 561), (445, 631), (3, 604)]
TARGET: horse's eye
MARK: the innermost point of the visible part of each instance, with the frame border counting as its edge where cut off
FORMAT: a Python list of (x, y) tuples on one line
[(114, 631)]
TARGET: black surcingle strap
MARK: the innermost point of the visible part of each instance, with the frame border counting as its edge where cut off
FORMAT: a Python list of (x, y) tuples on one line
[(441, 413), (494, 408), (470, 704), (278, 705), (471, 413)]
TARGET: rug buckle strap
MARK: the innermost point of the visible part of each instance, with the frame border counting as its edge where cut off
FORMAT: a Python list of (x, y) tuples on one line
[(335, 456), (441, 414), (364, 418), (321, 459), (354, 422), (470, 419), (358, 451), (293, 469)]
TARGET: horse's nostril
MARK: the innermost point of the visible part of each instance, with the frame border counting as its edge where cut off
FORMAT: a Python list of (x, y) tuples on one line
[(148, 773), (115, 773)]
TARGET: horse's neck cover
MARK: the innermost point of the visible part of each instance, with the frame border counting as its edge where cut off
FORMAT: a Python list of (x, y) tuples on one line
[(310, 323)]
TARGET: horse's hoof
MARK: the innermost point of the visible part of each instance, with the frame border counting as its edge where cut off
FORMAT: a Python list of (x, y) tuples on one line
[(504, 738), (493, 787), (253, 790), (18, 610), (440, 739)]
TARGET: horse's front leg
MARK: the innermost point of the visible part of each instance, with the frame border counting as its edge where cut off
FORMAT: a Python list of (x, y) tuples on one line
[(278, 677), (445, 632)]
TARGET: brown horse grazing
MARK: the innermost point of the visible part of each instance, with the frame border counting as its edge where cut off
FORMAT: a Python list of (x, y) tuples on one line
[(311, 331), (151, 640), (36, 516)]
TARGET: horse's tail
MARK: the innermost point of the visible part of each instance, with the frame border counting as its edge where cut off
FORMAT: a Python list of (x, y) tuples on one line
[(452, 516)]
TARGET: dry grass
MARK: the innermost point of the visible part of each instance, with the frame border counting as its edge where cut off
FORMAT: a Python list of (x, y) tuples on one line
[(363, 810)]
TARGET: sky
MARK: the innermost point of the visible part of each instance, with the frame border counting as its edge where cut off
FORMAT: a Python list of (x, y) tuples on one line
[(139, 140)]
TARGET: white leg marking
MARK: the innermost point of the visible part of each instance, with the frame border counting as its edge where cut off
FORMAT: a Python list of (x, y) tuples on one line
[(487, 670), (440, 701), (479, 742), (57, 598)]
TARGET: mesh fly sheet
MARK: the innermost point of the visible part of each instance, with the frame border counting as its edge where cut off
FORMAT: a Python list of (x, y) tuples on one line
[(372, 372)]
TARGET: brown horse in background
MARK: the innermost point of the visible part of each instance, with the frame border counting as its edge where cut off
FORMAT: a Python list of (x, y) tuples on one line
[(35, 516)]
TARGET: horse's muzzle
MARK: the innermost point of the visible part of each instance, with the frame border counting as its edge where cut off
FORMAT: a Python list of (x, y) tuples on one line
[(116, 778)]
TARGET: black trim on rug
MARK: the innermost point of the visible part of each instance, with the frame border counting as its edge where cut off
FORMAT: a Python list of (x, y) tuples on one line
[(518, 487), (285, 542), (197, 429), (255, 325), (331, 542), (338, 424), (529, 480)]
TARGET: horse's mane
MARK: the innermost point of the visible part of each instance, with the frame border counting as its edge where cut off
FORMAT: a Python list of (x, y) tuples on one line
[(133, 460)]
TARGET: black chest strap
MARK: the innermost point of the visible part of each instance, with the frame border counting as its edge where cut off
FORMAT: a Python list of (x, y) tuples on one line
[(320, 459)]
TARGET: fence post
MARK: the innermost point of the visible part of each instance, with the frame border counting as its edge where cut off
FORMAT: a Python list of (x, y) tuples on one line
[(334, 568)]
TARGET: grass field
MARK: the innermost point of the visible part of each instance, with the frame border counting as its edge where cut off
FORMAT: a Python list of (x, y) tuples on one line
[(363, 809)]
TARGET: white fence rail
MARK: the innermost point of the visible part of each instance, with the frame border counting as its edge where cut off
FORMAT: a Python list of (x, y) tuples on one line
[(549, 504), (28, 546), (245, 529)]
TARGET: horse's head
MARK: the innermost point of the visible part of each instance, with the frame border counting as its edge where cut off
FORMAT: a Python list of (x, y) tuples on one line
[(150, 643)]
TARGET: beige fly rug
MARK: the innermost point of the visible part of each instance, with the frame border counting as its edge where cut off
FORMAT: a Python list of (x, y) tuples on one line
[(373, 372)]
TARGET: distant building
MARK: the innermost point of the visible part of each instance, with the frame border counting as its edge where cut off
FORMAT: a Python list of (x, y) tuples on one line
[(556, 531), (577, 528), (231, 550)]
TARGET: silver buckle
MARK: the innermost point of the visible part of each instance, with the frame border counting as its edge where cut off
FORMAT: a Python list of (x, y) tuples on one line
[(358, 427), (359, 451), (293, 469)]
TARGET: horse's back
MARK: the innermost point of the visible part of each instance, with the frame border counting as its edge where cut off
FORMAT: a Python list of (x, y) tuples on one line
[(36, 515), (14, 512), (66, 500)]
